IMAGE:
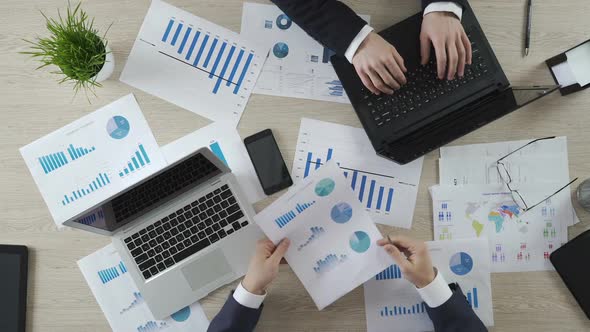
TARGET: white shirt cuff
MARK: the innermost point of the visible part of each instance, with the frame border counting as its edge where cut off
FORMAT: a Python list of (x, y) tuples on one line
[(247, 299), (444, 6), (436, 293), (356, 42)]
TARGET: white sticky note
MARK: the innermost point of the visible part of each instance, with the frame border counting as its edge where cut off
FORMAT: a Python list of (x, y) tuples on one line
[(579, 62)]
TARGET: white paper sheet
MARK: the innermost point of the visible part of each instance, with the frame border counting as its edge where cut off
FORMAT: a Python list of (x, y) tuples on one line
[(298, 66), (543, 162), (387, 190), (194, 63), (393, 304), (564, 75), (579, 61), (519, 241), (226, 143), (123, 305), (333, 241), (93, 158)]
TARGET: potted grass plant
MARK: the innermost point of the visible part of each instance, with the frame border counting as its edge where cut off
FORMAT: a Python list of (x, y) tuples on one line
[(81, 55)]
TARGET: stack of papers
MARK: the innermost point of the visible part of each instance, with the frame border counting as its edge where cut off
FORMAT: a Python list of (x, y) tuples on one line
[(393, 304), (472, 200), (122, 303)]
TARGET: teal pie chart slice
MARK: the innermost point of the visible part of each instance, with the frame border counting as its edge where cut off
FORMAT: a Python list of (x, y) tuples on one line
[(280, 50), (360, 241), (325, 187), (118, 127), (461, 263), (182, 314)]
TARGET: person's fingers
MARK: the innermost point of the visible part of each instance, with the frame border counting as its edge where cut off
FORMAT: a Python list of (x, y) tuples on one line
[(382, 242), (386, 76), (467, 45), (453, 59), (441, 58), (462, 58), (398, 257), (378, 82), (280, 251), (424, 48), (367, 82), (400, 62), (396, 71), (403, 241)]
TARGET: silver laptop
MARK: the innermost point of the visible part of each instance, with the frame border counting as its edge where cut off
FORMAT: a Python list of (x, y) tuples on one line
[(181, 233)]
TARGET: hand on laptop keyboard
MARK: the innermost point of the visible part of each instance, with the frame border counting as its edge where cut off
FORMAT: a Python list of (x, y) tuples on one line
[(452, 46), (379, 65)]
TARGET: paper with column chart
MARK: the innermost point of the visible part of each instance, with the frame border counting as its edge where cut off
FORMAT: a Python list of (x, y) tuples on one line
[(193, 63), (122, 303), (225, 142), (93, 158), (543, 162), (298, 66), (385, 189), (392, 301), (333, 241), (518, 240)]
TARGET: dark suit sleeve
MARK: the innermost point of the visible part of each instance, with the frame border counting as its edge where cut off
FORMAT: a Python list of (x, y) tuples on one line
[(234, 317), (425, 3), (330, 22), (455, 314)]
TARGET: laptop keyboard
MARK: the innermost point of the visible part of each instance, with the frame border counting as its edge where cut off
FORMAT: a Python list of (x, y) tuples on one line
[(422, 88), (185, 232)]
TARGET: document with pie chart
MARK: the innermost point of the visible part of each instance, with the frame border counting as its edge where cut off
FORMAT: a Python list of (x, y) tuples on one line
[(333, 240), (391, 300), (92, 158)]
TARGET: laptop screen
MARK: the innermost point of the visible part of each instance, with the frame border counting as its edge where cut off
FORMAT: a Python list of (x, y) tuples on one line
[(151, 193)]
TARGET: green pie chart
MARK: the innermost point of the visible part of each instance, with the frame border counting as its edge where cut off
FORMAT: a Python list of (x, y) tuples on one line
[(325, 187)]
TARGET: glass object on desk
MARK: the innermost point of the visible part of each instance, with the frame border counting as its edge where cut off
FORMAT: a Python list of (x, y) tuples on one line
[(583, 194), (504, 173)]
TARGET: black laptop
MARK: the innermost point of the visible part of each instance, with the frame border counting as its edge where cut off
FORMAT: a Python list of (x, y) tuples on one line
[(428, 113)]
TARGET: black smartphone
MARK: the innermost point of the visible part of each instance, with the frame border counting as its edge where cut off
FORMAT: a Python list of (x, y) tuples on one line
[(268, 162)]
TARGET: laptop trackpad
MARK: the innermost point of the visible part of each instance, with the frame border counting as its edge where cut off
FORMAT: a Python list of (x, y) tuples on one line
[(207, 269)]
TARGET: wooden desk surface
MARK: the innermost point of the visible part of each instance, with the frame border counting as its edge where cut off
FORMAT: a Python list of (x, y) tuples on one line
[(32, 105)]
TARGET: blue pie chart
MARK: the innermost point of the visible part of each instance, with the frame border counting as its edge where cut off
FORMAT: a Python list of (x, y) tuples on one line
[(461, 263), (341, 213), (280, 50), (118, 127), (325, 187), (284, 22), (360, 241), (182, 314)]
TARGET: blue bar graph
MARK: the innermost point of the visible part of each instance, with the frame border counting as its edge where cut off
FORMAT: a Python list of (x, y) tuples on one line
[(329, 262), (54, 161), (472, 298), (392, 272), (91, 218), (216, 149), (415, 309), (102, 179), (317, 163), (316, 233), (286, 218), (212, 55), (139, 160), (112, 273), (151, 326)]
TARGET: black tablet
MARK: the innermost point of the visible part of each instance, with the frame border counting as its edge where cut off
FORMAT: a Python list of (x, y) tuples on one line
[(13, 287), (571, 262)]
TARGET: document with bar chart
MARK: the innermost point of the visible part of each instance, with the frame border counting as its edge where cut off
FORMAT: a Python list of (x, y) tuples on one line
[(391, 300), (225, 142), (93, 158), (519, 240), (333, 241), (298, 66), (193, 63), (385, 189), (122, 303)]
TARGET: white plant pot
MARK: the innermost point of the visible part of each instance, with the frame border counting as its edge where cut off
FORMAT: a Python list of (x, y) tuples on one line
[(108, 68)]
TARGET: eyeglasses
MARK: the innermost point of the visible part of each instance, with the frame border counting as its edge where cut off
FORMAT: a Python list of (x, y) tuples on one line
[(507, 179)]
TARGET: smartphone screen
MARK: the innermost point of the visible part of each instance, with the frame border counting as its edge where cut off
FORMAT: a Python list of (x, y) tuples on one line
[(268, 162)]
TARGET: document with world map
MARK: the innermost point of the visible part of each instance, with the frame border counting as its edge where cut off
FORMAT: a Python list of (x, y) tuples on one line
[(518, 240)]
